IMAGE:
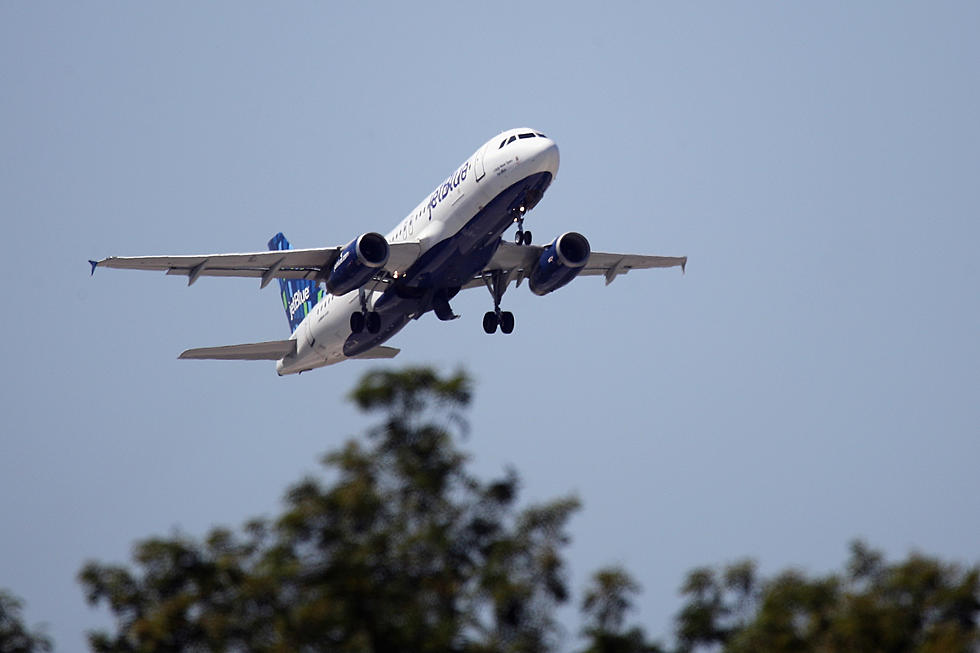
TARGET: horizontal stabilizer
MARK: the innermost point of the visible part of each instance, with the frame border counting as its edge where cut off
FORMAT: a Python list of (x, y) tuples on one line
[(378, 352), (253, 351)]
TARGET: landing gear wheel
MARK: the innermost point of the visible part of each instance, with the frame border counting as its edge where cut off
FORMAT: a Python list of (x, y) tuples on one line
[(496, 282), (356, 322), (490, 322), (373, 322), (521, 237)]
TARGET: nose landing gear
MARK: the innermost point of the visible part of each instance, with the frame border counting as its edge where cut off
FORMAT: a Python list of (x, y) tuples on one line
[(522, 237)]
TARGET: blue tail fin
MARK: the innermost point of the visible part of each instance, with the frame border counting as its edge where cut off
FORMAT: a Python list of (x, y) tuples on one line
[(299, 296)]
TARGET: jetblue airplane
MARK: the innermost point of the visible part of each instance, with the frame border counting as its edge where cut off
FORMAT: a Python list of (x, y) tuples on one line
[(375, 284)]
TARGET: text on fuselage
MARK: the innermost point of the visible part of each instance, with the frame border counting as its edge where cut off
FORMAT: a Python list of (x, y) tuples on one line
[(447, 187)]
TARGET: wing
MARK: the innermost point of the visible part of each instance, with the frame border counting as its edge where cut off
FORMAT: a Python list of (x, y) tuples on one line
[(613, 265), (254, 351), (311, 264), (517, 261)]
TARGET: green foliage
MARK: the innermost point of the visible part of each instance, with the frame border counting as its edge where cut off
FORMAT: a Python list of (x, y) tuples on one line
[(918, 605), (15, 637), (605, 604), (717, 604), (608, 599), (399, 548), (402, 549)]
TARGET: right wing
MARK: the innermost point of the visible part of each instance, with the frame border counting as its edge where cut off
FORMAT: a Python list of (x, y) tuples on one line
[(613, 265), (311, 264), (253, 351), (517, 262)]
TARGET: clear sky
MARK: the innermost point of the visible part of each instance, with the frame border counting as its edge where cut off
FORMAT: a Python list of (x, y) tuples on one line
[(814, 377)]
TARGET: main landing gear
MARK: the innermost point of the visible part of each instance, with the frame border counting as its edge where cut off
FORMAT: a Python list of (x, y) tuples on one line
[(497, 284), (366, 319), (505, 319), (522, 237)]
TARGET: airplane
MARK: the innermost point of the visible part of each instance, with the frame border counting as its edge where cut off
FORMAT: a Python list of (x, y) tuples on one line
[(346, 302)]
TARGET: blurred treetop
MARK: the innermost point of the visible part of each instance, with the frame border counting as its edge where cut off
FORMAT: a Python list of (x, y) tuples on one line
[(400, 548)]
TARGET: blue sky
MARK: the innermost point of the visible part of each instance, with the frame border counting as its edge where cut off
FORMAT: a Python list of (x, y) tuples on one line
[(812, 378)]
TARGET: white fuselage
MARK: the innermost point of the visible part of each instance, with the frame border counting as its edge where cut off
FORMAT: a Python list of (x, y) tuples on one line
[(442, 216)]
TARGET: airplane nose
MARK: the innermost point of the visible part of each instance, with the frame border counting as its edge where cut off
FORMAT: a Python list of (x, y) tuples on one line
[(547, 157)]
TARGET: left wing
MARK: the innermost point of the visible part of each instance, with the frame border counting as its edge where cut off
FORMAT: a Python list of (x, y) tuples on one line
[(517, 261), (311, 264)]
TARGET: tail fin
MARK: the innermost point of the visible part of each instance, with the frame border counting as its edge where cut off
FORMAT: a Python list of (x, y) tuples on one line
[(299, 296)]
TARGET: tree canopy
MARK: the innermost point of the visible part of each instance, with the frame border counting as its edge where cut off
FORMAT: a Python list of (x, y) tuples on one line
[(15, 636), (919, 605), (403, 549), (396, 546)]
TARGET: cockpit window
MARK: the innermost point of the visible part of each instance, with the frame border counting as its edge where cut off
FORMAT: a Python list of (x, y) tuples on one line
[(508, 141)]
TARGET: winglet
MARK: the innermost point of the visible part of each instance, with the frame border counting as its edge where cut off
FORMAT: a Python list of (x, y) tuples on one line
[(684, 266), (94, 264)]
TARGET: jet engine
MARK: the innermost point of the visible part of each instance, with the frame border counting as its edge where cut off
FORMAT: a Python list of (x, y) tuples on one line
[(359, 260), (560, 262)]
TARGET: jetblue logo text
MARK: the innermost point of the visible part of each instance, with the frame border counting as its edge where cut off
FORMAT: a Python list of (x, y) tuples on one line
[(299, 298), (447, 187)]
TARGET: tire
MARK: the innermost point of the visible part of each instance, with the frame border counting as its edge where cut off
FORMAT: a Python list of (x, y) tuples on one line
[(490, 322), (356, 322), (507, 322), (373, 322)]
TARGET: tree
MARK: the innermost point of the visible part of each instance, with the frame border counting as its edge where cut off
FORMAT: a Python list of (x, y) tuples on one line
[(15, 637), (717, 604), (397, 547), (918, 605), (604, 606), (401, 549)]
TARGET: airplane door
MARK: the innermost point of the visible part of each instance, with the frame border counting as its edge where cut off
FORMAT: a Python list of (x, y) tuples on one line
[(478, 163)]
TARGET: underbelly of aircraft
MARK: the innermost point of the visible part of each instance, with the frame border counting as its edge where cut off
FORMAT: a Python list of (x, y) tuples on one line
[(450, 264)]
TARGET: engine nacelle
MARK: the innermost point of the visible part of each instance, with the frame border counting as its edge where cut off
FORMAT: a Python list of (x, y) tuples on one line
[(359, 260), (560, 262)]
